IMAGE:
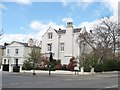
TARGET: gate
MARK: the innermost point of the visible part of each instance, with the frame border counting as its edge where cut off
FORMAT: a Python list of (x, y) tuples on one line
[(16, 69), (5, 67)]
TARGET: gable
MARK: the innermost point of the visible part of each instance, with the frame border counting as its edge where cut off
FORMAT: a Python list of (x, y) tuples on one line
[(50, 29), (14, 44)]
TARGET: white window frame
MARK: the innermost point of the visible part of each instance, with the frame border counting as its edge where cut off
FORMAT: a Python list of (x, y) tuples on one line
[(4, 61), (16, 51), (50, 35), (8, 61), (49, 47), (8, 51), (62, 46)]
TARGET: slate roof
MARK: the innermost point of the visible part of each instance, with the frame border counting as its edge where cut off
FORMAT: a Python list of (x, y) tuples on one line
[(76, 30), (61, 31), (1, 46), (24, 44)]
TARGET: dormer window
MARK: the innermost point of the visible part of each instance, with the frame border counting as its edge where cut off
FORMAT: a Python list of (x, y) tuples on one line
[(49, 35)]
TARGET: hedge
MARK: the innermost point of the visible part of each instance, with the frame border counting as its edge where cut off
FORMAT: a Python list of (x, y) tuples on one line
[(113, 65)]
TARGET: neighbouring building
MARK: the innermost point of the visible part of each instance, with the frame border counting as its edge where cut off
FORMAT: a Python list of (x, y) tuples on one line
[(63, 43), (1, 53), (15, 54)]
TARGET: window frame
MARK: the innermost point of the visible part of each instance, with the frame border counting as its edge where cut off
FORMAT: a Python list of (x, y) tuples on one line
[(4, 61), (62, 46), (8, 51), (50, 35), (16, 51), (49, 47)]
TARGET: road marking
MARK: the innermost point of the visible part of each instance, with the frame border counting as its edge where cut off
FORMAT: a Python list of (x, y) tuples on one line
[(108, 87), (112, 86)]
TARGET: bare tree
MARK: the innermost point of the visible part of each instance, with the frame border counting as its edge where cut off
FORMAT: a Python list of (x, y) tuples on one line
[(103, 38)]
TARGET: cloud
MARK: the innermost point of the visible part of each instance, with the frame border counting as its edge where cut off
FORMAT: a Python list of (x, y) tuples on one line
[(8, 38), (14, 37), (24, 2), (89, 25), (3, 7), (39, 26), (77, 3), (66, 19), (65, 3), (112, 6)]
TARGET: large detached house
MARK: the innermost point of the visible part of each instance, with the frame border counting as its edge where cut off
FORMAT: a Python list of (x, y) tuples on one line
[(63, 43), (15, 54)]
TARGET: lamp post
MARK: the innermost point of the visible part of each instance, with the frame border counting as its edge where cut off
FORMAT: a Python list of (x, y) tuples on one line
[(50, 59)]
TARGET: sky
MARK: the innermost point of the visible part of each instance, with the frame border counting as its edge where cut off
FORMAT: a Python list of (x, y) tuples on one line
[(24, 19)]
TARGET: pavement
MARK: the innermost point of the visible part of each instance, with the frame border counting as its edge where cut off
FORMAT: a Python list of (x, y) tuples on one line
[(61, 72), (56, 72)]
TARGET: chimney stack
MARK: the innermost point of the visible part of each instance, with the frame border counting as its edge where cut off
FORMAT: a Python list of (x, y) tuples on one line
[(5, 44), (30, 42), (69, 24)]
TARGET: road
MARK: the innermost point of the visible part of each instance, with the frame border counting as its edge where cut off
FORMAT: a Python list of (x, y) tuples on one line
[(97, 81)]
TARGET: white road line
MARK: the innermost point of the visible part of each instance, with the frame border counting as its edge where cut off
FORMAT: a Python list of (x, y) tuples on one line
[(112, 86)]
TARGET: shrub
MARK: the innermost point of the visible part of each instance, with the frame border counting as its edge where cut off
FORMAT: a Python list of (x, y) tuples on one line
[(72, 64), (113, 65), (118, 65), (87, 68), (59, 66), (64, 67), (98, 68), (27, 65)]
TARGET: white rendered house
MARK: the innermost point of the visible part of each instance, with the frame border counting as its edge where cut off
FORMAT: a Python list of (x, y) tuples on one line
[(62, 43), (15, 54)]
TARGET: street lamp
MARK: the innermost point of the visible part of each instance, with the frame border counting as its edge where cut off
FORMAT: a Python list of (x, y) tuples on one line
[(50, 58)]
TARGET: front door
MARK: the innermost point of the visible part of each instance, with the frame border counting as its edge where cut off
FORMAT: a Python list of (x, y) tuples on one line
[(16, 68)]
